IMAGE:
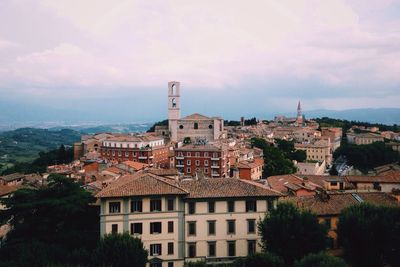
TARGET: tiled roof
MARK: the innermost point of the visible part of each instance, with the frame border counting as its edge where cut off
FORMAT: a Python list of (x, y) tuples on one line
[(164, 172), (8, 189), (144, 183), (389, 178), (225, 188), (250, 164), (281, 183), (115, 170), (141, 184), (12, 177), (196, 116), (335, 203), (191, 147), (135, 165)]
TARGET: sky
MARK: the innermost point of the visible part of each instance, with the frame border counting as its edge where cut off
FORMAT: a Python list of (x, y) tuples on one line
[(114, 58)]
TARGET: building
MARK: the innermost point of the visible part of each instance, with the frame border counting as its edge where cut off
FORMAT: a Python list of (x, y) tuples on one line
[(329, 206), (293, 185), (334, 134), (385, 183), (251, 169), (299, 118), (192, 126), (317, 151), (312, 168), (12, 179), (210, 159), (140, 148), (363, 138), (178, 221)]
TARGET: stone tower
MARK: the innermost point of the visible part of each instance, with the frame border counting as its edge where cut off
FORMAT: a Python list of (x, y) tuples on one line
[(299, 118), (174, 109)]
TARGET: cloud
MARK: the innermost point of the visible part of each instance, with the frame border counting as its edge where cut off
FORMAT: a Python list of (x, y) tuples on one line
[(329, 49)]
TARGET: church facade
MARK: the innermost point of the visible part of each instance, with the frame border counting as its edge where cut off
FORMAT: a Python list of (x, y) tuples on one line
[(195, 126)]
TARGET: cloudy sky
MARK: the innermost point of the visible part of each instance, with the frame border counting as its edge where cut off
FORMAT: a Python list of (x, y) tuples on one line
[(232, 57)]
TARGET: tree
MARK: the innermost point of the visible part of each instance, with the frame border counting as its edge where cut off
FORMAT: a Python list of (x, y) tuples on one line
[(370, 235), (259, 260), (292, 233), (275, 160), (120, 250), (320, 260), (52, 224), (159, 123)]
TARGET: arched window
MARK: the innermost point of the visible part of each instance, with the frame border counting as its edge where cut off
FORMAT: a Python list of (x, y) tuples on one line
[(210, 126), (173, 89), (180, 126), (173, 102), (196, 126)]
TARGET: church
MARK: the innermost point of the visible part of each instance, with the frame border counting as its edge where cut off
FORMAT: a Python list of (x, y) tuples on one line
[(195, 126)]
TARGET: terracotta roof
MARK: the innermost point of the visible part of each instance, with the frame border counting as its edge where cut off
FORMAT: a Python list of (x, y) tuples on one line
[(281, 183), (164, 172), (389, 178), (115, 170), (12, 177), (8, 189), (144, 183), (191, 147), (337, 202), (141, 184), (225, 188), (136, 165), (251, 164), (196, 116)]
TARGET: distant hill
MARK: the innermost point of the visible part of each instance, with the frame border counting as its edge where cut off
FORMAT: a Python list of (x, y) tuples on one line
[(378, 115)]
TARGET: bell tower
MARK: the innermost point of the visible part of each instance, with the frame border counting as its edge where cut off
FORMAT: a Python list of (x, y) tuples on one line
[(174, 108)]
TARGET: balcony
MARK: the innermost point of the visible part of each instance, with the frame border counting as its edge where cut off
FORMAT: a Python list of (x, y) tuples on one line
[(215, 174), (179, 157), (215, 167), (215, 158), (142, 157), (151, 157), (179, 165)]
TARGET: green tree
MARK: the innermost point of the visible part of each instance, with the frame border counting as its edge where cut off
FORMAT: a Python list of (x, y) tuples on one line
[(120, 250), (370, 235), (159, 123), (292, 233), (259, 260), (196, 264), (320, 260), (53, 224), (275, 160)]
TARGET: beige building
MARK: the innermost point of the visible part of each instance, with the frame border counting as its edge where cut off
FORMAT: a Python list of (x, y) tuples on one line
[(194, 126), (363, 138), (318, 151), (311, 168), (210, 219), (334, 134)]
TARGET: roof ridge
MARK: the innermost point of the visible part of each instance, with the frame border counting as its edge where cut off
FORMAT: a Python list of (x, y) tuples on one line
[(162, 179)]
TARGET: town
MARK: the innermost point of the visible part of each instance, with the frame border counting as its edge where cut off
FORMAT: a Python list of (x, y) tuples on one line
[(203, 190)]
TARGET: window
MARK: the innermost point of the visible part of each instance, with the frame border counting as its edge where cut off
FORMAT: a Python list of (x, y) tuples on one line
[(206, 154), (188, 170), (210, 126), (155, 228), (212, 249), (114, 228), (115, 207), (192, 207), (231, 226), (270, 204), (155, 249), (136, 228), (155, 205), (197, 154), (211, 206), (251, 226), (231, 206), (180, 126), (170, 227), (205, 170), (196, 126), (188, 154), (136, 206), (170, 204), (188, 162), (170, 248), (170, 264), (251, 247), (205, 162), (231, 249), (191, 228), (192, 250), (211, 227), (251, 205), (197, 162), (327, 222)]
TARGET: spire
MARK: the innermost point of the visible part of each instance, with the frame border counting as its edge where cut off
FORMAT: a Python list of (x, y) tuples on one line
[(299, 110)]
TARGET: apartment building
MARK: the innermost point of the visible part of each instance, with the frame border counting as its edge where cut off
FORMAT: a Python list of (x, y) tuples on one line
[(317, 151), (210, 159), (363, 138), (251, 169), (178, 221), (146, 149), (334, 134)]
